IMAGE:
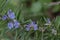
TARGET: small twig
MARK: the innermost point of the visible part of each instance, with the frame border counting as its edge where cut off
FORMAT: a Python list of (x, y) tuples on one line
[(54, 3)]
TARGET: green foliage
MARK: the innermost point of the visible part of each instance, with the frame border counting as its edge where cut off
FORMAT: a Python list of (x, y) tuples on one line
[(57, 21), (24, 15)]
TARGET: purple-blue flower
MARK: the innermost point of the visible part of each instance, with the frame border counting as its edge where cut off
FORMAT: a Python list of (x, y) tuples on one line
[(16, 24), (11, 14), (10, 25), (48, 20), (4, 17), (34, 25), (28, 27)]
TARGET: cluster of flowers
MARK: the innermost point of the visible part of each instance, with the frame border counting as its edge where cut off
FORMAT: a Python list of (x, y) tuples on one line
[(13, 23), (32, 25)]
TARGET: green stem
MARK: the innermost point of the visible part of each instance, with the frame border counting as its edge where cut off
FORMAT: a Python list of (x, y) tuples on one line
[(42, 35)]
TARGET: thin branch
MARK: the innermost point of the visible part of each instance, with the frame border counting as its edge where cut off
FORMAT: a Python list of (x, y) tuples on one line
[(54, 3)]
